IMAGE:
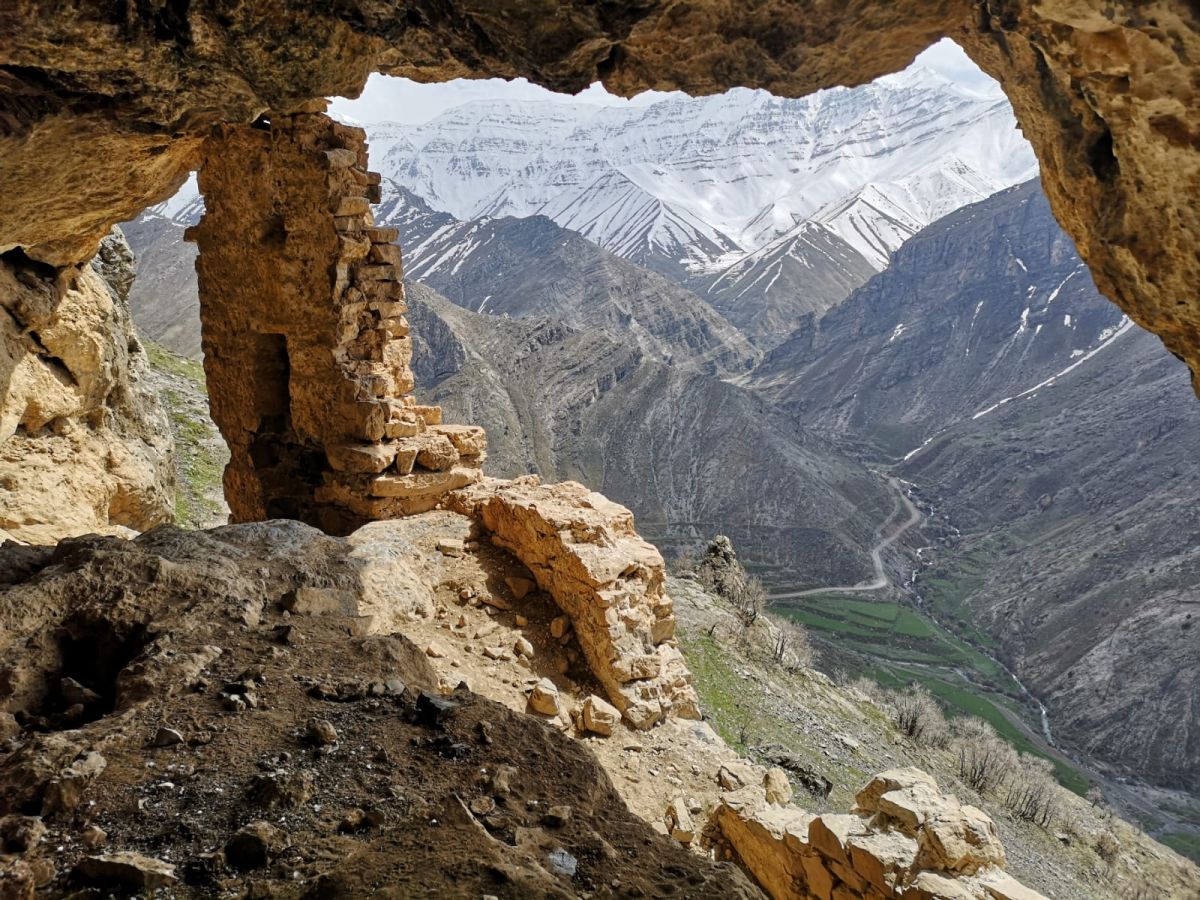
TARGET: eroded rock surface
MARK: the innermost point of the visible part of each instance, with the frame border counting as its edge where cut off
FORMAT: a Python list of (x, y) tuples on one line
[(390, 783), (904, 839), (584, 551), (84, 444)]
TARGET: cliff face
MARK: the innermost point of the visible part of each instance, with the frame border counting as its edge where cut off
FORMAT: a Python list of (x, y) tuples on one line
[(84, 444)]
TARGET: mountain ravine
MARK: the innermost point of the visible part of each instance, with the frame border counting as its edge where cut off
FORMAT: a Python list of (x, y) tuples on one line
[(1056, 444)]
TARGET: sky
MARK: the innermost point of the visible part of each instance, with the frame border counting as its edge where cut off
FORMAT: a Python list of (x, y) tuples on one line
[(399, 100)]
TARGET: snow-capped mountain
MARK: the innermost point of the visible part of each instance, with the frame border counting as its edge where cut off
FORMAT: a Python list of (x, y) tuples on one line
[(533, 267), (778, 206), (738, 168)]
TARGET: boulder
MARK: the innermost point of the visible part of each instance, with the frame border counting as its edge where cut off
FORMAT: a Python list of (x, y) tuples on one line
[(777, 786), (598, 716), (125, 871), (543, 698)]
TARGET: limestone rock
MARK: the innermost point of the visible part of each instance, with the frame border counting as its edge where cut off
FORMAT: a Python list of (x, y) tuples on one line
[(129, 871), (951, 853), (84, 444), (679, 821), (777, 787), (544, 698), (583, 550), (598, 716)]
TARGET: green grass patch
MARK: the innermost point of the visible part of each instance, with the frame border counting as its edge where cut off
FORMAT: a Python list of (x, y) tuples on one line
[(199, 453), (1185, 843), (173, 364)]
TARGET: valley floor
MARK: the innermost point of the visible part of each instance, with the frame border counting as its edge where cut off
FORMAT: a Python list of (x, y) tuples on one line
[(883, 629)]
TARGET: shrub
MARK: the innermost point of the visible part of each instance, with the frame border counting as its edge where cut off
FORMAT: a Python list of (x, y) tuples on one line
[(985, 760), (791, 647), (918, 715), (1107, 847), (749, 599), (1031, 794)]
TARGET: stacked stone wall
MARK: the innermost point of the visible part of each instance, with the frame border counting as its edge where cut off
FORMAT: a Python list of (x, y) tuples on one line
[(307, 349)]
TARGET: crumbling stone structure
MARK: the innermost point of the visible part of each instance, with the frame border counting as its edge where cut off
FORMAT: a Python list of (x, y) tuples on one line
[(584, 551), (306, 347), (905, 840)]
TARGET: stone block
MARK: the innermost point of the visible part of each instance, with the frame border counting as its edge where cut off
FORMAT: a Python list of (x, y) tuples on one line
[(403, 429), (380, 234), (384, 254), (421, 484), (351, 223), (468, 440), (431, 415), (351, 206), (436, 453), (361, 458), (371, 272), (777, 786), (406, 457), (599, 716), (340, 158), (543, 699)]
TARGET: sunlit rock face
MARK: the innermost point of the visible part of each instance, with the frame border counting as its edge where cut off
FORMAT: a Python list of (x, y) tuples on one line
[(84, 445)]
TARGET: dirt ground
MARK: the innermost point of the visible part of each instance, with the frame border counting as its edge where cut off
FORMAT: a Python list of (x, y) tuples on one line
[(161, 701)]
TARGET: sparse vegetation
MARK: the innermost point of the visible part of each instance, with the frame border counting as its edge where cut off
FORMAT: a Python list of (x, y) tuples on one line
[(985, 761), (791, 647), (1030, 792), (918, 716), (200, 453)]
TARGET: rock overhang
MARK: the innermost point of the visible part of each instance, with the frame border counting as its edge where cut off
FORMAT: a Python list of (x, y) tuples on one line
[(105, 112)]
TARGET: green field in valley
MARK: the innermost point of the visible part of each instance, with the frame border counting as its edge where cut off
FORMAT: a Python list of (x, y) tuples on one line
[(898, 645)]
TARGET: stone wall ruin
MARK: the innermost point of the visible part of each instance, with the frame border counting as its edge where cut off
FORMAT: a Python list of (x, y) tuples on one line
[(306, 347)]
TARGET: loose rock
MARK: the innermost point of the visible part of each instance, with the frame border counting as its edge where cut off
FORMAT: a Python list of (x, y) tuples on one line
[(125, 870), (544, 698)]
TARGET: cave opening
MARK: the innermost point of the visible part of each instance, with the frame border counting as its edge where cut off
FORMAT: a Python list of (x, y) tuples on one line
[(92, 651)]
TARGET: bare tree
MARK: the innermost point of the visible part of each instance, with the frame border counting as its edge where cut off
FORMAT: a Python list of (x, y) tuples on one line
[(1031, 792), (749, 599), (917, 714), (985, 760), (791, 647)]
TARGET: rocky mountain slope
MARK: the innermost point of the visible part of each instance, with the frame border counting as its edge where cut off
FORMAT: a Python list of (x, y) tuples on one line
[(406, 708), (688, 452), (1069, 481), (583, 366), (517, 267), (986, 303)]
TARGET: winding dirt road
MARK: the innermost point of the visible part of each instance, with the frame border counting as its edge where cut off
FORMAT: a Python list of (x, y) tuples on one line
[(886, 539)]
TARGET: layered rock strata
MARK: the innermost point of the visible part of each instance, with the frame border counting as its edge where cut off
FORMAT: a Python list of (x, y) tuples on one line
[(584, 551), (904, 839), (307, 350), (84, 444)]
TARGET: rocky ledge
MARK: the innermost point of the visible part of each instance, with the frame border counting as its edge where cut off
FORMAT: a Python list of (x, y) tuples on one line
[(270, 709)]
